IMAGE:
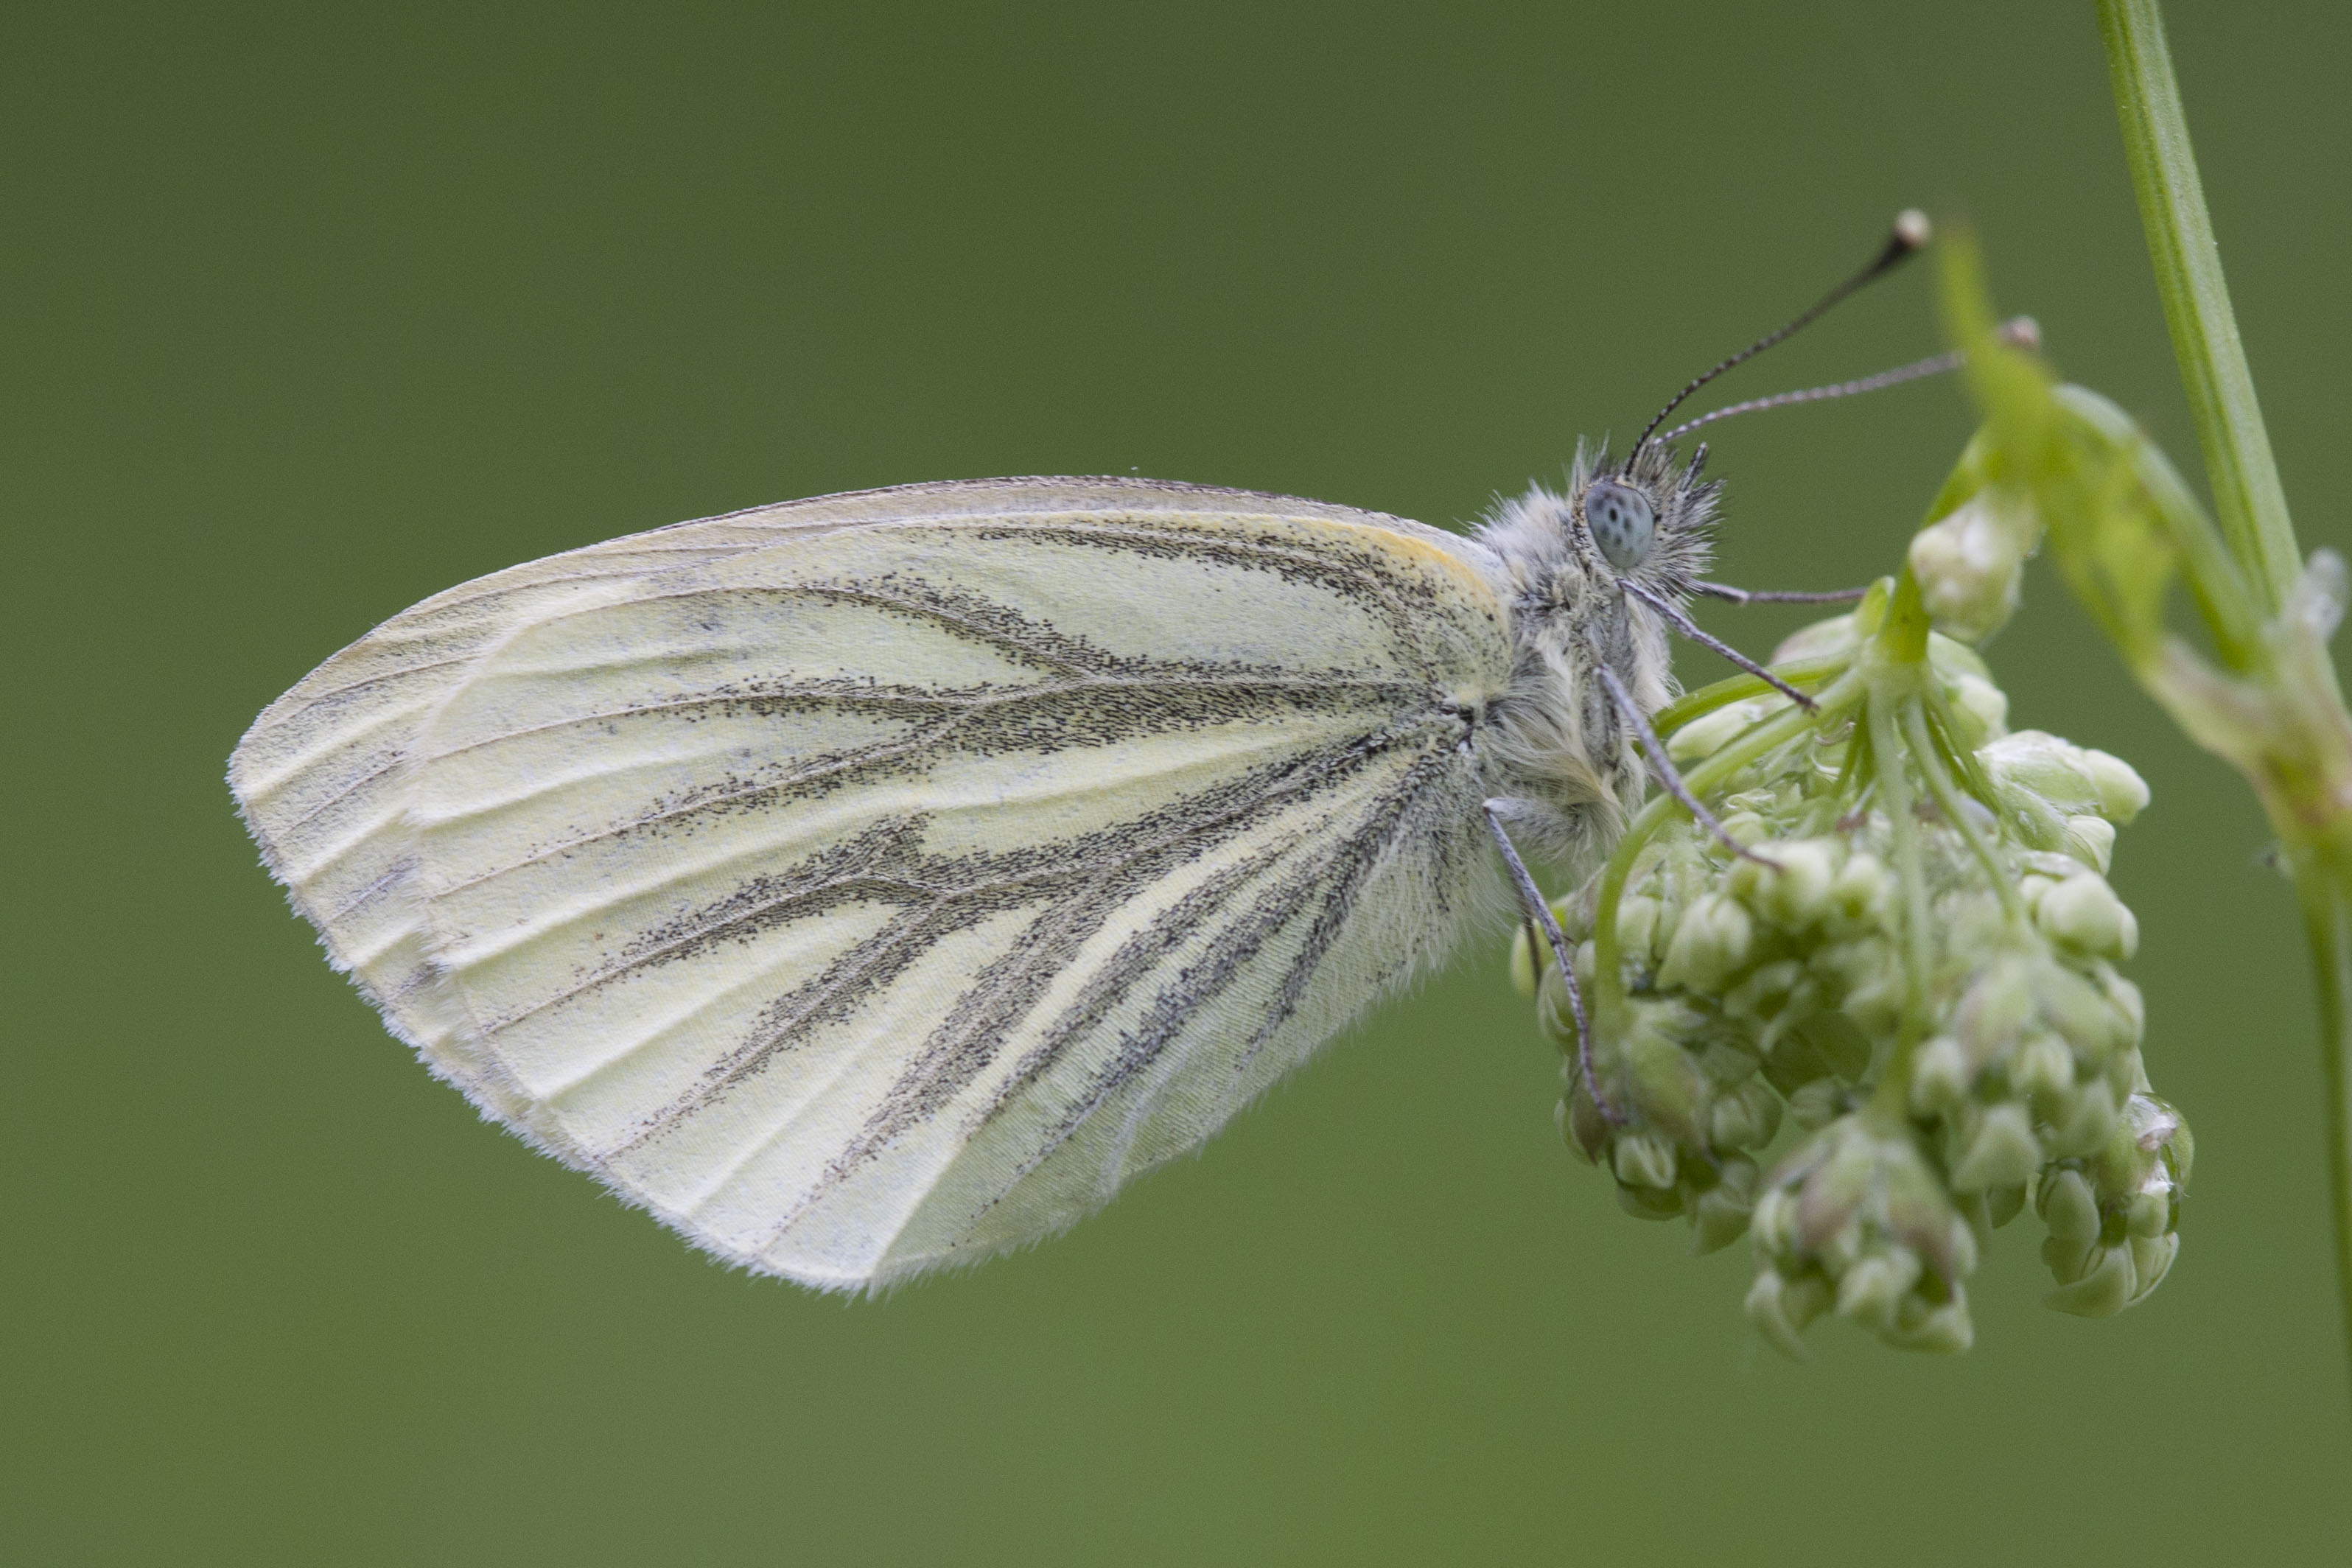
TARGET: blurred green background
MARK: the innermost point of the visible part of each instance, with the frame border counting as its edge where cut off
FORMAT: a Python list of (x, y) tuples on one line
[(312, 312)]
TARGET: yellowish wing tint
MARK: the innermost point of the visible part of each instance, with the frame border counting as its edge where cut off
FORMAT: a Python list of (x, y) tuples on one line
[(872, 883)]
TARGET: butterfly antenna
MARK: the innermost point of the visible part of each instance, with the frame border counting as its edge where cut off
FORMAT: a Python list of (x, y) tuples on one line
[(1909, 234), (2020, 332)]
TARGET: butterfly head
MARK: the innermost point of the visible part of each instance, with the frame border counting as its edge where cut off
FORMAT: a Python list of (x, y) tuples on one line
[(1646, 519)]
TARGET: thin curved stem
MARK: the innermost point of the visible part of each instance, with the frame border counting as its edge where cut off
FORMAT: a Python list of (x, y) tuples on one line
[(2220, 386), (1926, 747), (1911, 875), (2252, 504)]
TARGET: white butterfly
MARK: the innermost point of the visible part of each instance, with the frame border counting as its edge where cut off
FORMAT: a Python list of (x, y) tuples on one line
[(876, 882), (869, 883)]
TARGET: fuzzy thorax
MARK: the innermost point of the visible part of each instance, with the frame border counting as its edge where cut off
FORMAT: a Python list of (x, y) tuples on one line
[(1558, 750)]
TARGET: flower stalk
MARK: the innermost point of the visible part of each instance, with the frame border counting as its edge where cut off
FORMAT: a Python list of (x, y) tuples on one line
[(2274, 709)]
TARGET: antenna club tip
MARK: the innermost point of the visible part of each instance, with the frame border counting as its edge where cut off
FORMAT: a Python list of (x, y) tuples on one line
[(2021, 333), (1912, 229)]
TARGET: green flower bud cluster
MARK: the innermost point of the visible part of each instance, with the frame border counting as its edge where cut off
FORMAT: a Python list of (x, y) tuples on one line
[(2114, 1217), (1916, 971), (1859, 1219)]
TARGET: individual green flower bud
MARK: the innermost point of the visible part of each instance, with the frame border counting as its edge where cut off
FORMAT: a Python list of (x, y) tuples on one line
[(1720, 1215), (1951, 659), (1995, 1009), (2042, 1069), (1526, 969), (2105, 1285), (1872, 1291), (1967, 565), (1643, 1159), (1553, 1013), (1746, 828), (1707, 735), (1581, 1123), (2128, 1008), (2003, 1205), (2074, 779), (2002, 1153), (1795, 891), (1830, 638), (2067, 1207), (2123, 793), (2053, 863), (2068, 1259), (1942, 1330), (1876, 1004), (1864, 891), (1745, 1118), (1772, 994), (2086, 1121), (1662, 1080), (1818, 1103), (2076, 1004), (2083, 913), (1782, 1309), (1917, 1208), (1941, 1075), (1832, 1183), (2032, 887), (1728, 1063), (1575, 914), (2091, 840), (2126, 1074), (2149, 1215), (1637, 925), (1710, 943), (1773, 1222), (2152, 1260), (1981, 707)]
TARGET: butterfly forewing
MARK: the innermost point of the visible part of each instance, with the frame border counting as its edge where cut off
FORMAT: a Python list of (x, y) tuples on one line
[(892, 876)]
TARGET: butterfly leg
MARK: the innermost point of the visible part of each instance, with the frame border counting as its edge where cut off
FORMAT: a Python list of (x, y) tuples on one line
[(1667, 776), (1690, 629), (1539, 914)]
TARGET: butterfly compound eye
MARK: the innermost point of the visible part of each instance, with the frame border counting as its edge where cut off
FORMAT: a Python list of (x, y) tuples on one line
[(1621, 522)]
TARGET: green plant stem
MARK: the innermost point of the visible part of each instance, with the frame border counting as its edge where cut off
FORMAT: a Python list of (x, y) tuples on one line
[(1883, 721), (1738, 688), (2328, 923), (1947, 795), (2251, 505), (2247, 495)]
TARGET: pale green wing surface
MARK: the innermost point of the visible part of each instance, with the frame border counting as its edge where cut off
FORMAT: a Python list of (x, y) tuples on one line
[(886, 890)]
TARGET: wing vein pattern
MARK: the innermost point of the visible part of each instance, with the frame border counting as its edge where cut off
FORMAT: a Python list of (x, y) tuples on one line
[(875, 883)]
